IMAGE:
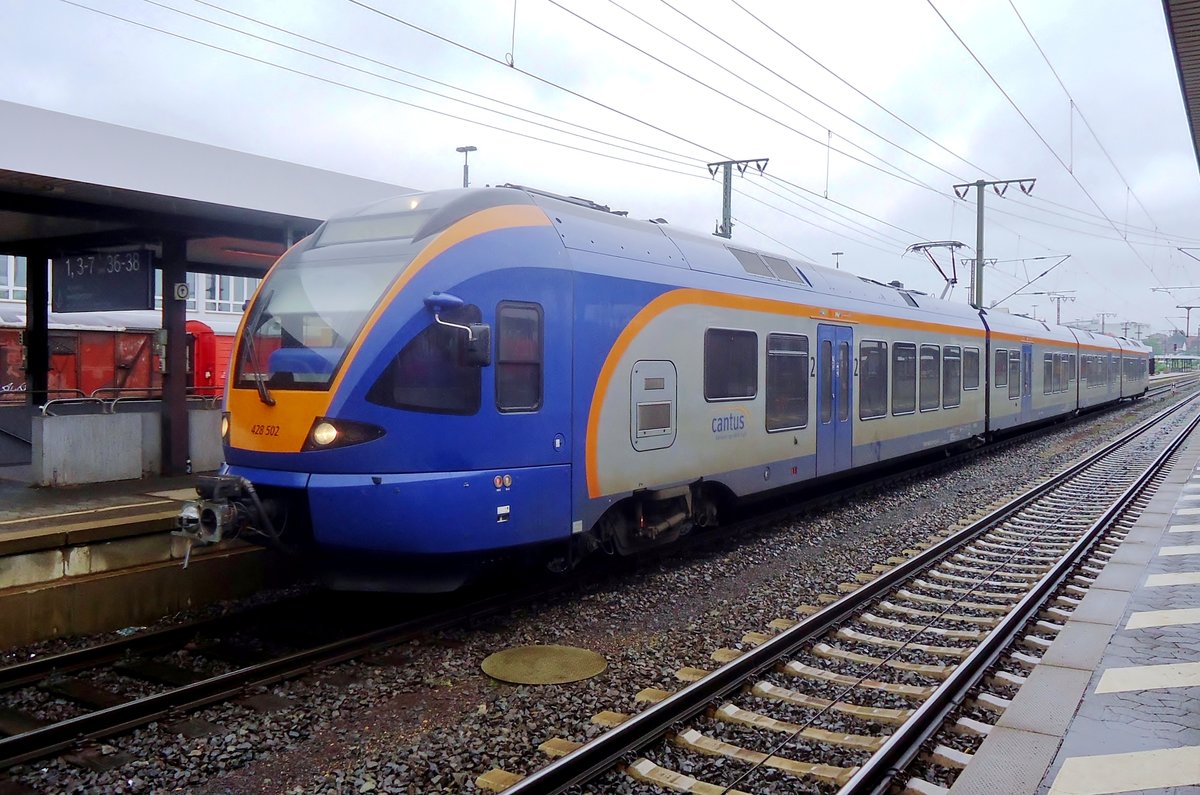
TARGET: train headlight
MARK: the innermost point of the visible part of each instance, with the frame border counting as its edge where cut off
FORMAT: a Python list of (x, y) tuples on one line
[(324, 434), (225, 427), (328, 433)]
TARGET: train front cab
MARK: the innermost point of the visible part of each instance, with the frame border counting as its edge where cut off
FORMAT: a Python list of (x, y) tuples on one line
[(467, 439)]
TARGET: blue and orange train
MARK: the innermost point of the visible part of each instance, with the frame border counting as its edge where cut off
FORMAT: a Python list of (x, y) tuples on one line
[(447, 378)]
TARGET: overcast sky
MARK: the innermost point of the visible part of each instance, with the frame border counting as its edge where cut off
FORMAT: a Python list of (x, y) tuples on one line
[(868, 111)]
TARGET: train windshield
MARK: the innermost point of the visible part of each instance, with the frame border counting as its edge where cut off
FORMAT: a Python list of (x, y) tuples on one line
[(307, 314)]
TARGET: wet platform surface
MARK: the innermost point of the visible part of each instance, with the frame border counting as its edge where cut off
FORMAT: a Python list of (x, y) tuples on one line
[(33, 517)]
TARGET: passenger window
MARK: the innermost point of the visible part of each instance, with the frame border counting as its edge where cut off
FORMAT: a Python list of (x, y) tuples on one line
[(1001, 373), (430, 373), (1014, 375), (1072, 370), (825, 380), (931, 373), (1047, 374), (951, 376), (730, 364), (518, 357), (872, 380), (904, 378), (787, 381), (970, 368)]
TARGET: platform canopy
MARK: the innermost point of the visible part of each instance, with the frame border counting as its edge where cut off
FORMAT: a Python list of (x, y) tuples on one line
[(1183, 24), (69, 184)]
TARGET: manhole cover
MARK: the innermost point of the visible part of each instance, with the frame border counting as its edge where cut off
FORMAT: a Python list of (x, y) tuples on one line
[(543, 665)]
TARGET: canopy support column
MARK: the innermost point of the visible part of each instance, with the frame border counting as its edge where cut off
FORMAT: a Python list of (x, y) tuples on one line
[(175, 452)]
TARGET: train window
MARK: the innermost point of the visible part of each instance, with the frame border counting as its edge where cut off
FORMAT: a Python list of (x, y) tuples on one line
[(970, 368), (1047, 374), (730, 364), (951, 376), (824, 378), (1072, 368), (872, 380), (751, 262), (1014, 375), (1001, 371), (904, 378), (931, 375), (431, 373), (518, 356), (787, 381)]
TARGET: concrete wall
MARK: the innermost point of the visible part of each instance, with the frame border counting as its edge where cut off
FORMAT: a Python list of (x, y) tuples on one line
[(94, 448)]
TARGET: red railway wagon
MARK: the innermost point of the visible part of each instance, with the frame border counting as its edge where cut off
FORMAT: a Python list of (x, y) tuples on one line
[(116, 361)]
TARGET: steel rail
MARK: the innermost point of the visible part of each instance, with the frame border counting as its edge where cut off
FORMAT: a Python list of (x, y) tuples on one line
[(898, 751), (64, 734), (37, 669), (601, 753)]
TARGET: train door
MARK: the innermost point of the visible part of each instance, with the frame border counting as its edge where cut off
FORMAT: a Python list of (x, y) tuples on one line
[(1026, 382), (835, 378)]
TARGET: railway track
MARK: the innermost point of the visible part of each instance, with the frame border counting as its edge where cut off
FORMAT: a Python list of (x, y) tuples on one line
[(114, 687), (206, 662), (844, 697)]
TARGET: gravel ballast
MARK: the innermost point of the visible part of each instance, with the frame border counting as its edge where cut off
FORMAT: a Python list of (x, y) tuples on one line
[(424, 719)]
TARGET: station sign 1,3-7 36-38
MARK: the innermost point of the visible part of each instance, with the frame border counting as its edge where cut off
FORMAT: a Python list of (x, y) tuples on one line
[(97, 281)]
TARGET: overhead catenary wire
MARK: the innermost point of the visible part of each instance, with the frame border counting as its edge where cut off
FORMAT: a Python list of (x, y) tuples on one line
[(699, 173), (1040, 137), (451, 86), (666, 154), (1076, 109), (341, 84), (539, 78), (904, 122), (785, 79), (774, 240), (897, 174)]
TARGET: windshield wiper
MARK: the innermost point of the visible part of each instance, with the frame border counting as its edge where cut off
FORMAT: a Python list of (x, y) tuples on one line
[(248, 339)]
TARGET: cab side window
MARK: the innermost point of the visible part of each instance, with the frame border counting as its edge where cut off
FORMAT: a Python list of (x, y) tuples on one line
[(431, 372), (518, 357)]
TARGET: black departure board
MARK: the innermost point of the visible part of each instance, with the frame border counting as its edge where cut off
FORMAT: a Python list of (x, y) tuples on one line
[(97, 281)]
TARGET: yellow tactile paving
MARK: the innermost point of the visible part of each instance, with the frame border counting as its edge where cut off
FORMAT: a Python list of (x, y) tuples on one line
[(1164, 618), (1140, 770), (1188, 549), (1174, 578), (26, 520), (183, 495), (1149, 677)]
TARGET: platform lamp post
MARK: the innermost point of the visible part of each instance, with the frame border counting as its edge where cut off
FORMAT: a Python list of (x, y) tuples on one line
[(466, 152), (837, 259)]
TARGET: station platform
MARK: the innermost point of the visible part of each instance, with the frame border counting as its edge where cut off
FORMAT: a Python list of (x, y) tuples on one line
[(98, 557), (1114, 704), (91, 511)]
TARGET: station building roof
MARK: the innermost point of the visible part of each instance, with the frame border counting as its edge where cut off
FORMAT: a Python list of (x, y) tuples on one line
[(68, 183), (1183, 25)]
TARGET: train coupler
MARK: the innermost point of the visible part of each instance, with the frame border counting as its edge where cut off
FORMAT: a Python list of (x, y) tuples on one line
[(227, 506)]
